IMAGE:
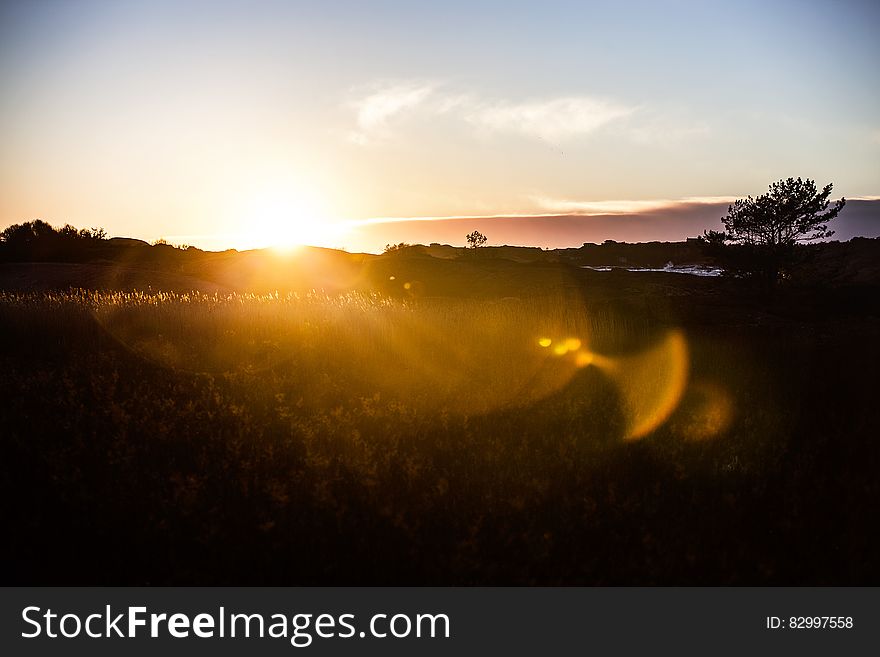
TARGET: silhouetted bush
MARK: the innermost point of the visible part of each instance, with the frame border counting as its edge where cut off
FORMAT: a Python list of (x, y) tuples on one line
[(37, 241)]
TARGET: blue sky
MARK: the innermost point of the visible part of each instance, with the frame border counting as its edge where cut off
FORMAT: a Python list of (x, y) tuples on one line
[(243, 123)]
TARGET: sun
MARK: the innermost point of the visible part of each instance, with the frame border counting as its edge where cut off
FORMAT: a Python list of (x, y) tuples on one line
[(285, 220)]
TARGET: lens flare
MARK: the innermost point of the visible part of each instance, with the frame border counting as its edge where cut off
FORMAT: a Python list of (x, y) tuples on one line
[(706, 412), (651, 383)]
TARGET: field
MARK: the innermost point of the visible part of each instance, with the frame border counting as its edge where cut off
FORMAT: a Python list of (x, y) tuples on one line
[(614, 429)]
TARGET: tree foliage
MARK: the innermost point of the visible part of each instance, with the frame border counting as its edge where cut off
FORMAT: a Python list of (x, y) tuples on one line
[(792, 211), (38, 240), (761, 234), (476, 239)]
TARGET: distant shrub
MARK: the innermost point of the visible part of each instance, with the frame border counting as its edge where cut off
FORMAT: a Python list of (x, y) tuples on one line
[(476, 239), (37, 240), (394, 248)]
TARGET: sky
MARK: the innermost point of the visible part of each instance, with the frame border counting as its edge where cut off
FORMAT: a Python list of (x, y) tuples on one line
[(244, 124)]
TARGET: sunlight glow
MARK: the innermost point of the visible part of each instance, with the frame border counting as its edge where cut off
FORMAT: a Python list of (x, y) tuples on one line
[(284, 218)]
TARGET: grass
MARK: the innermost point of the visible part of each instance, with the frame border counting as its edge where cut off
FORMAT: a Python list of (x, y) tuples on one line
[(159, 438)]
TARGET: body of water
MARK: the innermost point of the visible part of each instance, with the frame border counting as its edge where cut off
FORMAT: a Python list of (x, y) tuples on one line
[(693, 270)]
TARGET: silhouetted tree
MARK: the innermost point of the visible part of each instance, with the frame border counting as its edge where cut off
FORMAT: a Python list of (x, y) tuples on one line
[(476, 239), (37, 240), (761, 234)]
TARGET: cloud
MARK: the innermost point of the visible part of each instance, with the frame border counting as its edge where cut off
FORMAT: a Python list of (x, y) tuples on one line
[(554, 118), (665, 130), (592, 208), (383, 106), (375, 111), (546, 207)]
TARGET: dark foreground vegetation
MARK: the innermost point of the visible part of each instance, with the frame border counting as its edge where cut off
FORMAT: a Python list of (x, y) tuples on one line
[(469, 421)]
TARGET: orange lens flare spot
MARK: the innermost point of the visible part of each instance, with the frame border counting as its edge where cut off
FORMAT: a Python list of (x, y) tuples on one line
[(572, 344), (650, 383), (545, 342), (707, 412)]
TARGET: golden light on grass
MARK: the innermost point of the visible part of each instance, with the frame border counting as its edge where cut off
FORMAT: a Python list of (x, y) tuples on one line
[(466, 357)]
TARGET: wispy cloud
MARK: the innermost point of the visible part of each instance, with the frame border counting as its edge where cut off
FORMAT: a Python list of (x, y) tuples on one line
[(544, 206), (554, 118), (548, 119), (665, 129), (382, 108), (568, 206), (379, 107)]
